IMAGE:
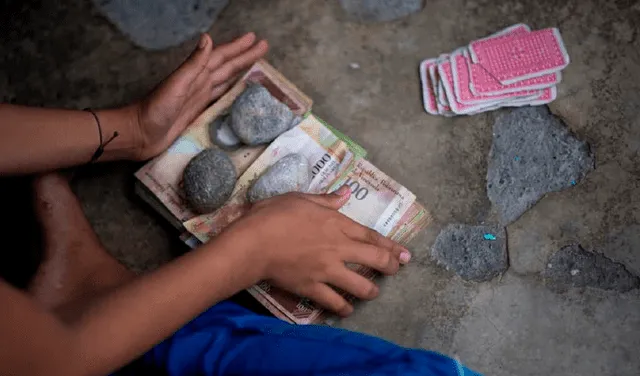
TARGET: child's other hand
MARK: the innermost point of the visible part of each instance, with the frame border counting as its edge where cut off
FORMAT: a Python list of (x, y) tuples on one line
[(300, 242), (204, 77)]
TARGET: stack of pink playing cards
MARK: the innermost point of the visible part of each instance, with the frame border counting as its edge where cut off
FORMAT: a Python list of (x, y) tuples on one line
[(512, 68)]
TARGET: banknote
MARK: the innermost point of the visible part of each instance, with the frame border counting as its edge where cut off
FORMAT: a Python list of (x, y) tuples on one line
[(162, 176), (377, 201), (328, 156)]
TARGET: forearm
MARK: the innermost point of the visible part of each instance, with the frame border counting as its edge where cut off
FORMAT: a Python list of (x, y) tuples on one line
[(123, 324), (129, 321), (39, 139)]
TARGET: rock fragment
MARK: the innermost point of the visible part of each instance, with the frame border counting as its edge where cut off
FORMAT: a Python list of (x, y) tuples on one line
[(155, 25), (258, 118), (380, 10), (290, 174), (475, 253), (208, 180), (221, 134), (572, 266), (533, 153)]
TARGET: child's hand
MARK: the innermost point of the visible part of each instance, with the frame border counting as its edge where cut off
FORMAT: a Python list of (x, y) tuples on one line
[(204, 77), (301, 243)]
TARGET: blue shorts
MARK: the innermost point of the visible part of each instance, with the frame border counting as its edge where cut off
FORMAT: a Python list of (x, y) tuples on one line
[(229, 339)]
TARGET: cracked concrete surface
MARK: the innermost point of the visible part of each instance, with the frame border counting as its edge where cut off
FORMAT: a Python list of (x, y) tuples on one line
[(65, 54)]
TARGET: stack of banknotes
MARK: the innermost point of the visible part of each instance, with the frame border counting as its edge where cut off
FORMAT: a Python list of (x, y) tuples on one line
[(377, 201)]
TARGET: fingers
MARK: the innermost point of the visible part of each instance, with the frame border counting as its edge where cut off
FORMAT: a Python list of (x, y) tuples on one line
[(199, 57), (364, 234), (333, 200), (375, 257), (219, 90), (230, 50), (330, 299), (354, 284), (232, 66)]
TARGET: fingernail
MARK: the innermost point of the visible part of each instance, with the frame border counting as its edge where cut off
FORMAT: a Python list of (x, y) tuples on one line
[(203, 41), (405, 257), (345, 190)]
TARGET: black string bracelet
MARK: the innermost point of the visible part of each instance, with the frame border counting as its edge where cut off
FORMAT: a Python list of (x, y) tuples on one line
[(100, 150)]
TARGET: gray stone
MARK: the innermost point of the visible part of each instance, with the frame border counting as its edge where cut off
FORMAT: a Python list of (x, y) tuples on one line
[(475, 253), (221, 134), (208, 180), (572, 266), (289, 174), (155, 25), (533, 153), (380, 10), (258, 118)]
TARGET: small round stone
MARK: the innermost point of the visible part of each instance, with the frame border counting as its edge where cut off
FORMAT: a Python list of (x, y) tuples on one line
[(208, 180), (258, 118), (221, 134), (289, 174)]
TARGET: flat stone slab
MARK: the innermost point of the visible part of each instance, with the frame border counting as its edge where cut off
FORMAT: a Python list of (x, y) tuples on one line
[(475, 253), (156, 25), (533, 153), (380, 10), (572, 266)]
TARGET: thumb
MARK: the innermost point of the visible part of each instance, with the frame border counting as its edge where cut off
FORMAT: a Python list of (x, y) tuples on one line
[(333, 200)]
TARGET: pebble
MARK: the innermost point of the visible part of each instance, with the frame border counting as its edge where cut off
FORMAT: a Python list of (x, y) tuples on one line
[(463, 249), (221, 134), (573, 266), (208, 180), (549, 159), (289, 174), (258, 118), (380, 10)]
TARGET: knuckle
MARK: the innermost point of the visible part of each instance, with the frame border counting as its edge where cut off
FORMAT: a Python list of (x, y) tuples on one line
[(341, 306), (214, 62), (394, 266), (383, 258), (372, 236), (370, 291)]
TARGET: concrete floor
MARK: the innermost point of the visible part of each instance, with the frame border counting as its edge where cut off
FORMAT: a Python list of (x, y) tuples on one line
[(66, 54)]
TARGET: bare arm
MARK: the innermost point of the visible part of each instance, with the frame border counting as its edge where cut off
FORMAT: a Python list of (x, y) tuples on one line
[(126, 322), (39, 139)]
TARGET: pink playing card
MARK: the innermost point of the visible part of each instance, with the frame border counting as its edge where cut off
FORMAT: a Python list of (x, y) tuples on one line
[(511, 58), (544, 96), (435, 87), (462, 84), (446, 78), (428, 95), (483, 83)]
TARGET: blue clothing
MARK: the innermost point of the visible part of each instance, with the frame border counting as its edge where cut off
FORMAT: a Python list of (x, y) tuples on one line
[(229, 339)]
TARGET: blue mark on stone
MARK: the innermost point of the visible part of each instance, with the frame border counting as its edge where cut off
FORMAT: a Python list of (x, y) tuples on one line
[(573, 182), (516, 158), (489, 237)]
